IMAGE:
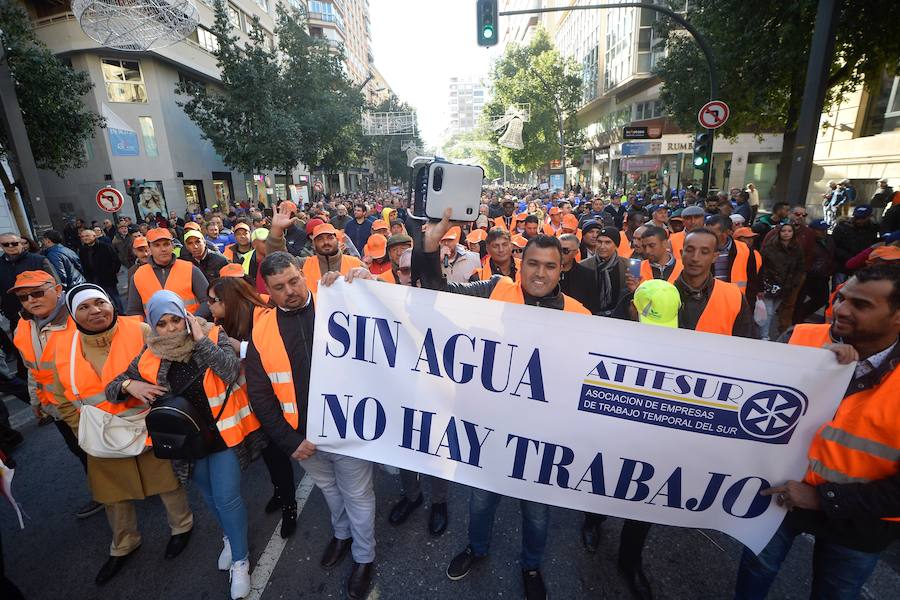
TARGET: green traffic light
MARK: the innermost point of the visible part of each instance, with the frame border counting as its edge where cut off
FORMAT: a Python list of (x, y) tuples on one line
[(487, 32), (698, 161)]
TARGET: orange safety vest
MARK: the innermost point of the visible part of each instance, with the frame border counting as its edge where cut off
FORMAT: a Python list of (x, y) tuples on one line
[(722, 309), (228, 252), (829, 310), (548, 229), (178, 281), (387, 276), (739, 267), (485, 273), (276, 363), (81, 383), (313, 274), (237, 420), (624, 250), (862, 441), (648, 274), (42, 367), (501, 223), (676, 241), (508, 290)]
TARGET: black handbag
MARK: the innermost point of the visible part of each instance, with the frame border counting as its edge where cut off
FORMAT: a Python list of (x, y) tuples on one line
[(178, 429)]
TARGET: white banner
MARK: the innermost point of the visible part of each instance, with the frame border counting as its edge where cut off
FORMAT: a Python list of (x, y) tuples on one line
[(588, 413)]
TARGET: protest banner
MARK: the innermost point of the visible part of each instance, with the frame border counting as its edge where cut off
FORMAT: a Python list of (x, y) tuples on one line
[(588, 413)]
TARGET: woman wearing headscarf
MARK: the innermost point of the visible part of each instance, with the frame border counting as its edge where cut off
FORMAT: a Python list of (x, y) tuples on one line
[(188, 357), (235, 305), (88, 357)]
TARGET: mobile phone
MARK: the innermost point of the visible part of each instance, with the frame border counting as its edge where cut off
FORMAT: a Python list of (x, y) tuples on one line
[(453, 186), (634, 267)]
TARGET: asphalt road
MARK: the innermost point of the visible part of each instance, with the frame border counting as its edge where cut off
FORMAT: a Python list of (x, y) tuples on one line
[(57, 556)]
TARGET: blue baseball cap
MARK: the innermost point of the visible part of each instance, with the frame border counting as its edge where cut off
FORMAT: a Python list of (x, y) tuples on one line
[(819, 224), (891, 236), (862, 211)]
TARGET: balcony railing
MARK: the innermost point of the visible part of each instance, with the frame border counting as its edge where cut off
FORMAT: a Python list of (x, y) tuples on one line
[(327, 18), (59, 18)]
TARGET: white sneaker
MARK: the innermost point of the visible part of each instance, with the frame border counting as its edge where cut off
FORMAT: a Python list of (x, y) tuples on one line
[(240, 579), (225, 556)]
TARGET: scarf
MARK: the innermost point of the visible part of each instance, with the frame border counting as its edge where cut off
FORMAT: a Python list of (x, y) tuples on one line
[(178, 347), (60, 304), (604, 287)]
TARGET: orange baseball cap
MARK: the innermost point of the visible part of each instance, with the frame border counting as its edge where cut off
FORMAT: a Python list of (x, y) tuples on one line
[(554, 211), (379, 224), (570, 221), (519, 240), (324, 228), (476, 235), (289, 204), (30, 279), (231, 270), (744, 232), (880, 253), (521, 216), (243, 226), (453, 234), (192, 225), (376, 247), (140, 242), (159, 233)]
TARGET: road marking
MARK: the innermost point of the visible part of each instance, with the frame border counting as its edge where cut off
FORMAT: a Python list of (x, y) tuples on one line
[(264, 567)]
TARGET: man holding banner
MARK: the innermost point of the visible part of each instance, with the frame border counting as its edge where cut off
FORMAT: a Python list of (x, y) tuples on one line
[(850, 496), (278, 368), (539, 286)]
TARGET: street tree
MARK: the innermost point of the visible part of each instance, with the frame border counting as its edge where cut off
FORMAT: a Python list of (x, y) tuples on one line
[(476, 145), (761, 50), (245, 117), (538, 75), (50, 95), (385, 150)]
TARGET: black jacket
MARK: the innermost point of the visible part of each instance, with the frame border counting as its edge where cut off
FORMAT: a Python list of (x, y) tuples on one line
[(852, 513), (101, 264), (67, 265), (850, 240), (591, 285), (891, 219), (296, 329), (210, 265)]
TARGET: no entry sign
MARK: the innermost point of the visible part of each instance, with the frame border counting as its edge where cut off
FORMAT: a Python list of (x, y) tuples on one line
[(713, 114), (110, 199)]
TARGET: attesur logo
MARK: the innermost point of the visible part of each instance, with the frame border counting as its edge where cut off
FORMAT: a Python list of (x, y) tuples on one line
[(708, 403)]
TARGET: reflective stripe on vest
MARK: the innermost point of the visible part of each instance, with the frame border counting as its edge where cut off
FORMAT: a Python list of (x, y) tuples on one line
[(811, 334), (313, 274), (739, 266), (647, 272), (862, 441), (179, 280), (722, 309), (27, 340), (276, 363), (508, 290), (81, 383), (237, 419)]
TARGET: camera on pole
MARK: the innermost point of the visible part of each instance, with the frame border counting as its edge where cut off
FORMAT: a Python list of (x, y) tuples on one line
[(486, 15)]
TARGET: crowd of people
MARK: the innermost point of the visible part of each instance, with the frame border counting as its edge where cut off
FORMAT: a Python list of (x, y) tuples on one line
[(217, 311)]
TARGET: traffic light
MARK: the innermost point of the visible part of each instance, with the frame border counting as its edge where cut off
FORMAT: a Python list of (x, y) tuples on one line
[(702, 150), (486, 15), (133, 186)]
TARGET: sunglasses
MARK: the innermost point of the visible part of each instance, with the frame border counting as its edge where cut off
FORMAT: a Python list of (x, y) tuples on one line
[(35, 294), (9, 244), (568, 251), (212, 299)]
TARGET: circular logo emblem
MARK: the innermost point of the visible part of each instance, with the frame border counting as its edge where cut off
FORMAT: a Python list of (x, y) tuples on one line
[(770, 413)]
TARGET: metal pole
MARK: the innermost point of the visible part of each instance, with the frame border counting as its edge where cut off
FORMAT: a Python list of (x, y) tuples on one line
[(820, 59)]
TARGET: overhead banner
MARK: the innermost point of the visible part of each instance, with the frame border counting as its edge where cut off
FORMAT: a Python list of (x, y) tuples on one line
[(611, 417)]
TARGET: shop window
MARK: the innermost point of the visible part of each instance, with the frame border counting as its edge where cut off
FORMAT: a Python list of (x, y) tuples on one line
[(124, 81)]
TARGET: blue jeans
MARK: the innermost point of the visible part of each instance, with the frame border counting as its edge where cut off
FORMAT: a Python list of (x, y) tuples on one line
[(838, 572), (219, 478), (535, 522)]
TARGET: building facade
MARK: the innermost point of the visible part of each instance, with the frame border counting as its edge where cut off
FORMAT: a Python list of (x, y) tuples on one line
[(859, 140), (465, 100), (150, 140)]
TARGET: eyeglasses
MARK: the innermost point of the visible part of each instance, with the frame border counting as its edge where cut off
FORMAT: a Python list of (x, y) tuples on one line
[(213, 299), (35, 294), (568, 251), (9, 244)]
